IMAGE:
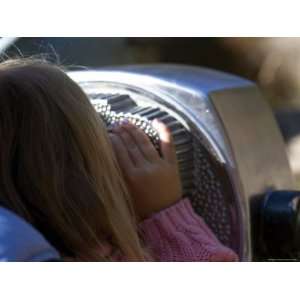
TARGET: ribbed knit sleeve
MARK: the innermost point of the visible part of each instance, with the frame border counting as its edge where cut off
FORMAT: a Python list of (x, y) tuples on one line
[(179, 234)]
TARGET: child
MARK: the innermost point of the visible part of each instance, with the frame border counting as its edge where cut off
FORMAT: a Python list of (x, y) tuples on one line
[(59, 172)]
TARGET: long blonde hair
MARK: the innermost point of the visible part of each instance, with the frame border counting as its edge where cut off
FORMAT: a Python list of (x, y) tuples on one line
[(57, 167)]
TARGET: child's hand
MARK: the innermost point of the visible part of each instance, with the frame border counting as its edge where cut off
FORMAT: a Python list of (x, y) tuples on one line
[(153, 181)]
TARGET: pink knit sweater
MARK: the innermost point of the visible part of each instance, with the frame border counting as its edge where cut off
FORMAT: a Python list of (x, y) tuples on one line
[(177, 233)]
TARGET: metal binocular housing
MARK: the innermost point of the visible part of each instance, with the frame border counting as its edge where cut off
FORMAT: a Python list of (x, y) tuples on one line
[(231, 154)]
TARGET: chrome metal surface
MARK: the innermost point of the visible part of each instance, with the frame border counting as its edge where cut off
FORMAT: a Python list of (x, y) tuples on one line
[(199, 99)]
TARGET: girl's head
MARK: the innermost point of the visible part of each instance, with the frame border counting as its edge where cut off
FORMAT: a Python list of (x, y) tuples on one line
[(57, 168)]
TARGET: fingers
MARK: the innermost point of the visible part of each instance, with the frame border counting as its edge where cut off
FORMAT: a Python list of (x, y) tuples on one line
[(130, 146), (121, 152), (138, 146), (143, 142), (166, 141)]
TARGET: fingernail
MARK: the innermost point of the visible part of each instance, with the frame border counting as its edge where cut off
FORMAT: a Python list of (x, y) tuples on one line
[(125, 122)]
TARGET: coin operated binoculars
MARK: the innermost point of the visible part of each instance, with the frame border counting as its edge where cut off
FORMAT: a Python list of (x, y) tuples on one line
[(231, 155)]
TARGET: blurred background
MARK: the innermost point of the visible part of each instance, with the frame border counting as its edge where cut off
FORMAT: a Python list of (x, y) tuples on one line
[(273, 63)]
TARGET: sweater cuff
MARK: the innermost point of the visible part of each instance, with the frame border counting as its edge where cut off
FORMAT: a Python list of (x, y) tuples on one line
[(177, 217), (181, 211), (177, 233)]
